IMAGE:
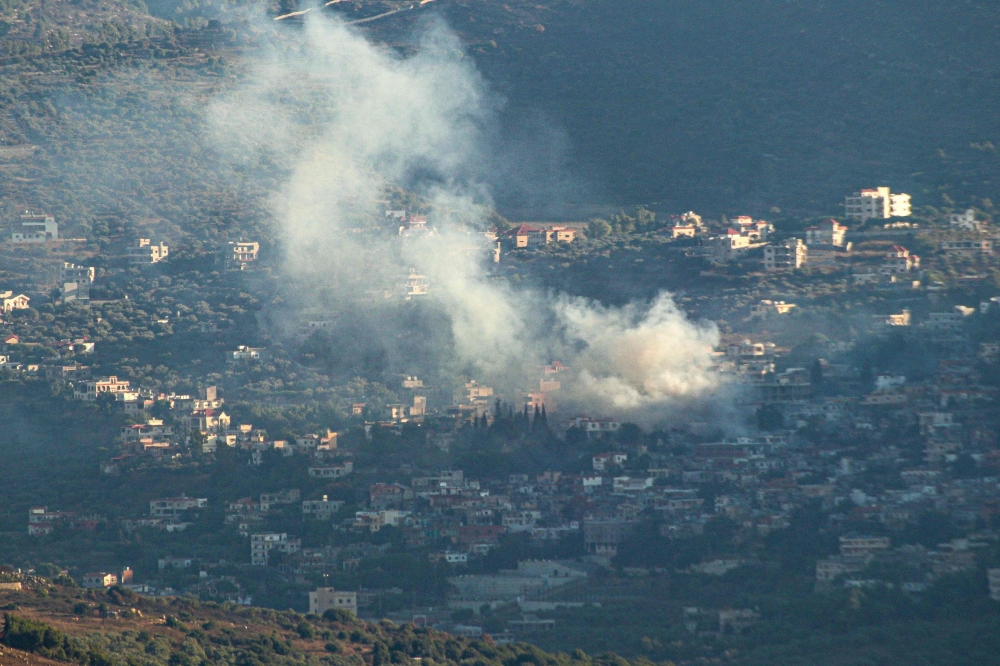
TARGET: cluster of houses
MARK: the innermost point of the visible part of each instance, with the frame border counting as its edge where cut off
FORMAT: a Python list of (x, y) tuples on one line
[(681, 484), (527, 235), (767, 477), (863, 561), (827, 244)]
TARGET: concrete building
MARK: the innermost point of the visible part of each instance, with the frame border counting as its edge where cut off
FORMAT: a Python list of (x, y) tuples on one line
[(261, 546), (531, 576), (172, 507), (90, 390), (321, 509), (242, 253), (416, 285), (827, 232), (899, 260), (99, 579), (75, 282), (525, 235), (879, 204), (326, 598), (755, 230), (73, 273), (9, 302), (965, 221), (171, 562), (768, 307), (602, 536), (34, 227), (412, 382), (789, 254), (605, 461), (144, 253), (723, 249), (595, 427), (332, 471), (863, 546), (994, 581), (374, 521), (244, 353), (967, 247)]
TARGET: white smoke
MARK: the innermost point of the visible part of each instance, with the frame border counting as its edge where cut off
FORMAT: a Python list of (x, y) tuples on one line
[(637, 359), (340, 118)]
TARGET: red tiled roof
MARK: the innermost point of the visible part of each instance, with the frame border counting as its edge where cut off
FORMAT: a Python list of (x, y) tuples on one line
[(521, 230)]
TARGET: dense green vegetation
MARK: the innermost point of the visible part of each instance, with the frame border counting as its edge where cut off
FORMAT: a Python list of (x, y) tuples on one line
[(952, 625), (730, 106), (722, 107), (118, 627)]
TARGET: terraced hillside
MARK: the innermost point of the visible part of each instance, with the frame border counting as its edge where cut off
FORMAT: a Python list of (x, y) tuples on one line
[(54, 621)]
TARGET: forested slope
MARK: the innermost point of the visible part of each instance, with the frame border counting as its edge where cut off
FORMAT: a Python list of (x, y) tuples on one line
[(721, 106)]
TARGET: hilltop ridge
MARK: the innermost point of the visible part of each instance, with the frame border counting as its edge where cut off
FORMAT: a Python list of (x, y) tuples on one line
[(778, 107), (50, 621)]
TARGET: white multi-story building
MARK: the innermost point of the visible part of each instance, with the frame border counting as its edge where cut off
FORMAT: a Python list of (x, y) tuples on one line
[(143, 252), (261, 546), (899, 260), (827, 232), (89, 390), (725, 248), (75, 282), (242, 253), (595, 427), (326, 598), (879, 204), (332, 471), (789, 254), (73, 273), (416, 285), (35, 227), (628, 484), (965, 221), (171, 507), (244, 353), (322, 509)]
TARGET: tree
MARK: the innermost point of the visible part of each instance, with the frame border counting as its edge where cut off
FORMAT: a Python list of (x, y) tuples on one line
[(598, 228), (769, 417), (816, 374)]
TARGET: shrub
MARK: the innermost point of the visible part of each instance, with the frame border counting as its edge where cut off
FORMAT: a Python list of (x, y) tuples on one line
[(30, 636), (38, 637), (339, 615)]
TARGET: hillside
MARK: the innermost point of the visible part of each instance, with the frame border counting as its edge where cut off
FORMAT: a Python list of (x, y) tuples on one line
[(64, 623), (730, 105), (772, 108), (29, 28)]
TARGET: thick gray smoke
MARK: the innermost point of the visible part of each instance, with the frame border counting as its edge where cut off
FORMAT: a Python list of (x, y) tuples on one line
[(340, 118)]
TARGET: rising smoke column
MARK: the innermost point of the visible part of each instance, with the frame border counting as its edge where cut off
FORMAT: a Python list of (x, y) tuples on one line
[(339, 117), (643, 362)]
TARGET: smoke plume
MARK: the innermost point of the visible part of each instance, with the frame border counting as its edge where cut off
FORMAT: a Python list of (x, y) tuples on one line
[(337, 119)]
